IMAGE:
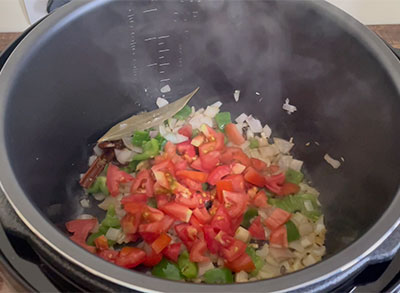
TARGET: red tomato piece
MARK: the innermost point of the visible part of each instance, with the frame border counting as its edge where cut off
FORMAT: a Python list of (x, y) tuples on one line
[(198, 140), (258, 164), (197, 252), (192, 185), (161, 242), (288, 188), (238, 168), (179, 189), (101, 242), (152, 258), (256, 229), (186, 130), (219, 141), (260, 199), (237, 182), (161, 199), (172, 251), (241, 157), (193, 175), (161, 179), (233, 134), (151, 231), (170, 149), (165, 166), (187, 234), (210, 160), (130, 257), (197, 165), (209, 237), (195, 223), (272, 169), (278, 238), (180, 163), (136, 197), (242, 263), (202, 215), (236, 249), (80, 229), (130, 223), (277, 219), (253, 177), (115, 176), (108, 255), (134, 207), (221, 186), (143, 183), (274, 182), (224, 239), (177, 211), (235, 203), (191, 202), (218, 173), (150, 214), (222, 221), (208, 131), (166, 223), (207, 147), (187, 150)]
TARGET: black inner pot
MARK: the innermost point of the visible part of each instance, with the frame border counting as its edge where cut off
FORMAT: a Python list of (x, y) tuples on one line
[(108, 60)]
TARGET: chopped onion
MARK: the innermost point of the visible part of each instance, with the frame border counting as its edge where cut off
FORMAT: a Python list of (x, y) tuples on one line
[(123, 156), (284, 162), (107, 202), (308, 205), (331, 161), (268, 151), (211, 111), (289, 108), (263, 252), (204, 267), (162, 129), (318, 251), (319, 225), (236, 95), (280, 254), (305, 228), (245, 145), (267, 130), (296, 245), (161, 102), (216, 104), (172, 122), (85, 217), (305, 188), (85, 203), (128, 142), (99, 196), (305, 242), (284, 146), (249, 133), (241, 118), (98, 151), (165, 89), (254, 124), (239, 127), (309, 260), (113, 234), (175, 137), (296, 165), (241, 277), (91, 160)]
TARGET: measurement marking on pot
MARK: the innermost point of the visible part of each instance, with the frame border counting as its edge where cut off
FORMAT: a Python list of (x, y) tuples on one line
[(163, 50), (165, 79), (153, 64), (163, 37), (150, 39), (162, 72), (164, 64), (161, 57), (161, 43), (150, 10)]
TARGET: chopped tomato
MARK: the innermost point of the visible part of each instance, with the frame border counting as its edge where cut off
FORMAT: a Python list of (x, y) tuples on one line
[(233, 251), (260, 199), (172, 251), (274, 182), (134, 207), (289, 188), (130, 223), (81, 229), (221, 221), (179, 163), (197, 165), (152, 258), (151, 231), (202, 215), (187, 149), (186, 130), (136, 197), (150, 214), (208, 131), (162, 199), (236, 222), (257, 230), (241, 157), (161, 179), (224, 239), (221, 186), (253, 177), (195, 223), (272, 169), (277, 219), (219, 141), (198, 140), (210, 160), (237, 182), (166, 223), (179, 189), (177, 211), (101, 242), (170, 149), (218, 173), (161, 242), (108, 254), (192, 185), (233, 134), (278, 238), (143, 183), (187, 234), (209, 237), (206, 148), (235, 203), (193, 175), (191, 201), (115, 176), (165, 166), (238, 168), (242, 263), (130, 257), (258, 164), (197, 252)]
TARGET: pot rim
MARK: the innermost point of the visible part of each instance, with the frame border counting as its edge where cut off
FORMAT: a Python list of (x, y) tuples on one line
[(36, 222)]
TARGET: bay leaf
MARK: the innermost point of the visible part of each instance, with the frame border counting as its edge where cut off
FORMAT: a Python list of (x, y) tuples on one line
[(146, 120)]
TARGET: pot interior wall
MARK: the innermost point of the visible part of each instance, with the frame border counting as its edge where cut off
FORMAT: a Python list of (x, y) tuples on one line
[(100, 67)]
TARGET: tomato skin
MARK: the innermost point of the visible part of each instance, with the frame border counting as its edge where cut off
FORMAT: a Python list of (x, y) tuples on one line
[(221, 186), (202, 215), (222, 221), (209, 237), (235, 154), (277, 219), (198, 250), (253, 177), (256, 229), (143, 178), (130, 223), (152, 258), (108, 255), (161, 242), (130, 257), (258, 164), (242, 263), (166, 223), (237, 203), (193, 175), (177, 211), (218, 173), (288, 188), (186, 130), (115, 176), (233, 134), (260, 199), (274, 182), (278, 238), (234, 251), (164, 166), (80, 229), (172, 251), (101, 242), (210, 160), (242, 158), (237, 181)]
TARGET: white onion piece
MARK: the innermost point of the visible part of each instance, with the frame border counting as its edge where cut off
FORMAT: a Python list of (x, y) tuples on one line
[(165, 89), (289, 108), (245, 145), (123, 156), (284, 146), (249, 133), (199, 119), (216, 104), (331, 161), (85, 203), (91, 160), (211, 111), (99, 196), (296, 165), (305, 228), (280, 254), (85, 217), (162, 129), (241, 277), (153, 133), (296, 245), (241, 118), (308, 205), (254, 124), (172, 122), (128, 142), (98, 151), (161, 102), (112, 234), (309, 260), (239, 127), (284, 162), (107, 202), (267, 130), (263, 252), (204, 267), (236, 95), (175, 137)]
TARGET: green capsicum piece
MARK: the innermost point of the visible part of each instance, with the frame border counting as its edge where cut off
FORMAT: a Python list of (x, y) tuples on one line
[(99, 186), (183, 113), (257, 260), (294, 176), (222, 119), (218, 276), (140, 137), (250, 214), (111, 219), (150, 150), (188, 269), (292, 232), (167, 270), (254, 143)]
